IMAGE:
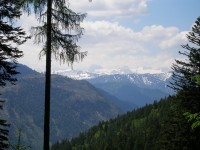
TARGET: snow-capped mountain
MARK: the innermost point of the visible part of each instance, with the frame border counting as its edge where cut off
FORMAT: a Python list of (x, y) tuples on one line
[(124, 72), (119, 75), (85, 75), (93, 73), (77, 75), (139, 89)]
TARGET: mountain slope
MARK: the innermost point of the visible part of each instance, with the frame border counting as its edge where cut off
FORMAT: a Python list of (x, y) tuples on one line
[(75, 107), (123, 105)]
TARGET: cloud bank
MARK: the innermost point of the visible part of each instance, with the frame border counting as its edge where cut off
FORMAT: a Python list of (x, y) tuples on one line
[(111, 45)]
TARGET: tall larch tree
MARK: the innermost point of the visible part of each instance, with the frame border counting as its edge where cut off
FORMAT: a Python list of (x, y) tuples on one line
[(60, 31), (10, 37)]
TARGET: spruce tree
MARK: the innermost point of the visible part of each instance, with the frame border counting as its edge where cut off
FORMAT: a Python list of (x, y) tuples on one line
[(60, 30), (184, 71), (188, 89), (9, 53)]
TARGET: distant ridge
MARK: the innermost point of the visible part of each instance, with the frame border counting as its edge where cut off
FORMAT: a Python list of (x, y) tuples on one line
[(24, 70), (80, 75), (136, 90)]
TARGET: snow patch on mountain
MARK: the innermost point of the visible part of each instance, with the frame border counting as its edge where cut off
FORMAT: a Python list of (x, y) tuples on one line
[(150, 81), (116, 75), (77, 75), (146, 81)]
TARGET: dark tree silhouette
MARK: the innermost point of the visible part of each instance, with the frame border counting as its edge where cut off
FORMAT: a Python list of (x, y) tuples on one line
[(3, 130), (9, 53), (185, 71), (58, 24)]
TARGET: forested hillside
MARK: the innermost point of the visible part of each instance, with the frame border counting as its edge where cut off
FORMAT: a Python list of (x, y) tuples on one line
[(157, 126)]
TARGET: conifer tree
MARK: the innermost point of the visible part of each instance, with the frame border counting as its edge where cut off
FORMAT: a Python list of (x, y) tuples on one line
[(9, 53), (10, 37), (188, 89), (3, 130), (184, 72), (60, 30)]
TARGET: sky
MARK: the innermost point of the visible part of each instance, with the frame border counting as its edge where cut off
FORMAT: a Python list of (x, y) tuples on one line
[(141, 35)]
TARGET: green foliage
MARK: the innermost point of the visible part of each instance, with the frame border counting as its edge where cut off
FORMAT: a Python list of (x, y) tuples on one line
[(193, 118), (196, 79)]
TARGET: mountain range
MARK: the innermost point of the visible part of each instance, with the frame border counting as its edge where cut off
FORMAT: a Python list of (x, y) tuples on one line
[(134, 89)]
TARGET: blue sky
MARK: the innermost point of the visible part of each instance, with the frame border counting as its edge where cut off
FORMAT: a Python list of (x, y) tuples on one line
[(142, 35), (179, 13)]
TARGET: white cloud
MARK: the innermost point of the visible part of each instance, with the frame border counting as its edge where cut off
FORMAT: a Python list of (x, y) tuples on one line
[(111, 8), (157, 32), (112, 45), (174, 40)]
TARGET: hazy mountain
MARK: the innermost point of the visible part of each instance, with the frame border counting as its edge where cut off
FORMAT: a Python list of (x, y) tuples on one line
[(139, 89), (75, 107), (123, 105)]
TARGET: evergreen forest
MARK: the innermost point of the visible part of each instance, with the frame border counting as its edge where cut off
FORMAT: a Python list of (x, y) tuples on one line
[(158, 126)]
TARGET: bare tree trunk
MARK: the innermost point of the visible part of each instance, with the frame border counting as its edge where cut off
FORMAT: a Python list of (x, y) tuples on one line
[(48, 79)]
